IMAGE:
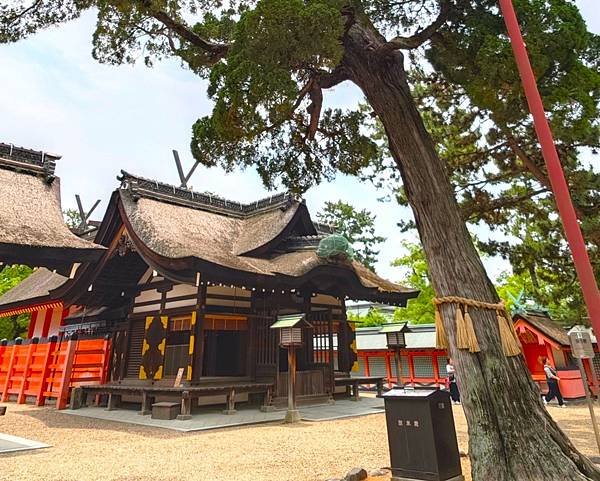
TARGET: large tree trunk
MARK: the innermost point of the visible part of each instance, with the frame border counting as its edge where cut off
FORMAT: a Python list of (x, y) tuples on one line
[(511, 436)]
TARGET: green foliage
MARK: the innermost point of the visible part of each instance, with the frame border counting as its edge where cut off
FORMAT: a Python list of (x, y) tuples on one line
[(549, 290), (13, 326), (72, 218), (372, 318), (419, 310), (358, 226)]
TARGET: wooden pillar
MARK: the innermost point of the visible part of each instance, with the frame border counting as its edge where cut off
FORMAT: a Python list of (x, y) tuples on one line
[(65, 379), (292, 415), (198, 356), (9, 371), (33, 344), (411, 368), (398, 361), (45, 371), (331, 354)]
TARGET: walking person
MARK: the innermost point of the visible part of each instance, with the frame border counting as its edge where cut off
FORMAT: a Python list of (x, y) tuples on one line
[(552, 381), (452, 386)]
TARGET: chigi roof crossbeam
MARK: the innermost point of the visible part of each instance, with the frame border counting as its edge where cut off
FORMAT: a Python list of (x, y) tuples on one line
[(141, 187)]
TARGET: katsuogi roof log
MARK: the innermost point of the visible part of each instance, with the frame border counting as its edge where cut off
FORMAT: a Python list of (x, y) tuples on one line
[(32, 229)]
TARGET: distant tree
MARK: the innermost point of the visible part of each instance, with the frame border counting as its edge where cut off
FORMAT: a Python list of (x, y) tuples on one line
[(358, 226), (13, 326), (419, 310), (372, 318), (72, 218)]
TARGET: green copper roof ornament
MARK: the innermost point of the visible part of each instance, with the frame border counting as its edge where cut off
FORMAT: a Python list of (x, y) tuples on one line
[(335, 247), (521, 306), (518, 302)]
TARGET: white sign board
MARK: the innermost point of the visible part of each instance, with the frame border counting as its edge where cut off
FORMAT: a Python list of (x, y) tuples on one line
[(581, 343)]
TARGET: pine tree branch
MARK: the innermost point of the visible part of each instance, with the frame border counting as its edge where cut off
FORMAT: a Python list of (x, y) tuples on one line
[(328, 80), (419, 38), (215, 50), (475, 211)]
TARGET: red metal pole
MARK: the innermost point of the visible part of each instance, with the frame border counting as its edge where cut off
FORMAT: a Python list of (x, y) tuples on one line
[(566, 210)]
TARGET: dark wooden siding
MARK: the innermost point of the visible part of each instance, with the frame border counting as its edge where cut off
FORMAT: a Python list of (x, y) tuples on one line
[(136, 340)]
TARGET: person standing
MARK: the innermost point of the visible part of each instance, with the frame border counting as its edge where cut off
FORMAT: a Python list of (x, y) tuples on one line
[(452, 386), (552, 381)]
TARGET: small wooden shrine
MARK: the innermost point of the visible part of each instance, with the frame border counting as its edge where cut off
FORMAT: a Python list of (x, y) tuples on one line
[(193, 282)]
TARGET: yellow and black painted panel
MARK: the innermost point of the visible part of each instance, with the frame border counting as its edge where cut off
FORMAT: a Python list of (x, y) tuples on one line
[(191, 349), (153, 348)]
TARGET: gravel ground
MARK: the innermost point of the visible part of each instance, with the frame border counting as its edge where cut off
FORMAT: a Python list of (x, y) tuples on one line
[(86, 449)]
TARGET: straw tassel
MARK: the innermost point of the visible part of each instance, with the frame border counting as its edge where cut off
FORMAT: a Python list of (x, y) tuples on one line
[(441, 340), (508, 337), (471, 336), (462, 337)]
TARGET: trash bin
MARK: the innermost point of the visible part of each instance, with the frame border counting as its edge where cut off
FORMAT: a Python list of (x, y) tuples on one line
[(421, 435)]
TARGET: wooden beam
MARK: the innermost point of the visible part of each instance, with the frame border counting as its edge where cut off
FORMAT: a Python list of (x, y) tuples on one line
[(197, 364)]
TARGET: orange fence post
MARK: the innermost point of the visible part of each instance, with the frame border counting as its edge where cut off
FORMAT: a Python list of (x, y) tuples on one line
[(4, 357), (65, 379), (25, 374), (41, 396), (9, 371)]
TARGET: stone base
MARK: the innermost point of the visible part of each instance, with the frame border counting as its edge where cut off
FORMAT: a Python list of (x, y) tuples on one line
[(460, 477), (331, 401), (229, 411), (292, 416), (184, 417), (144, 412)]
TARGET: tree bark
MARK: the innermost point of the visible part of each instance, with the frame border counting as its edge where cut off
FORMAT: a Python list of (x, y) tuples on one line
[(511, 435)]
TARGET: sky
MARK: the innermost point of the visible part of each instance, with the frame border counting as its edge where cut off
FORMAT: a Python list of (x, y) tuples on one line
[(103, 119)]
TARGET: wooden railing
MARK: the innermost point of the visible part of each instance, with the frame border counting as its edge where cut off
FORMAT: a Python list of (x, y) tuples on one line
[(50, 369)]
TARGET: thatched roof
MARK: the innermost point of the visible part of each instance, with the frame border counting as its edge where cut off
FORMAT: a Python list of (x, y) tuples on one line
[(38, 285), (277, 239), (545, 324), (33, 230)]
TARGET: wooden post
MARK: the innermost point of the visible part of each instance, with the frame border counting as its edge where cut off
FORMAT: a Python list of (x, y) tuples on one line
[(65, 379), (33, 343), (411, 369), (9, 371), (186, 407), (50, 347), (230, 409), (398, 362), (198, 356), (114, 400), (590, 404), (147, 400), (331, 360), (292, 415)]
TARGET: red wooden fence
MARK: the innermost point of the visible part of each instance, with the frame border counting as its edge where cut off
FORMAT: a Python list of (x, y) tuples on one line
[(50, 369)]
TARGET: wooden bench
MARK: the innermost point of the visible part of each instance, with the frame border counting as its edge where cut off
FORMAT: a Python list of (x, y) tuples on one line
[(115, 393), (355, 382)]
